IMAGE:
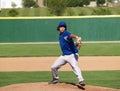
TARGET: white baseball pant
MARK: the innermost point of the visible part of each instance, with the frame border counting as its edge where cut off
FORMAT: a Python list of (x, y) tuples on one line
[(72, 60)]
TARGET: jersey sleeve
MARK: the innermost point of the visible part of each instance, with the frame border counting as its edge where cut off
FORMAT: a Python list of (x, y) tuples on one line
[(68, 35)]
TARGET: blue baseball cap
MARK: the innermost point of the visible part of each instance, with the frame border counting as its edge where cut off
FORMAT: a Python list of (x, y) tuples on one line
[(62, 24)]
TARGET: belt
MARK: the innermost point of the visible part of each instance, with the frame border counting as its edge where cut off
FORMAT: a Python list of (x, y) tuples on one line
[(69, 54)]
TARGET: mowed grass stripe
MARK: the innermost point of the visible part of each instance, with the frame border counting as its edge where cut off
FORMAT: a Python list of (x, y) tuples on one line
[(31, 12), (41, 12), (23, 12), (99, 78), (28, 50), (100, 49), (36, 12)]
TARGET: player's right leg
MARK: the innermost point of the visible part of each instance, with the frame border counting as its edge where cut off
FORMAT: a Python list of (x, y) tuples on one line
[(58, 63)]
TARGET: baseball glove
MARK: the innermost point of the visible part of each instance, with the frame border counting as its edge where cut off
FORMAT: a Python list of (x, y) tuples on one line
[(78, 42)]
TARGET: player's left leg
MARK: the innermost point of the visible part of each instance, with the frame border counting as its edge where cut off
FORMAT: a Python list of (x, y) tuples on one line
[(73, 61)]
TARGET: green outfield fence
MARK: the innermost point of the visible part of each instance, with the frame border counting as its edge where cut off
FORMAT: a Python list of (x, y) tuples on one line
[(43, 29)]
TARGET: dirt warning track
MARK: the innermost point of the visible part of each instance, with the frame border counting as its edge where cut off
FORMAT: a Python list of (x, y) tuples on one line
[(45, 63)]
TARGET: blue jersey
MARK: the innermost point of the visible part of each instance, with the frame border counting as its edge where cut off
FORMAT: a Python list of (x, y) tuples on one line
[(67, 44)]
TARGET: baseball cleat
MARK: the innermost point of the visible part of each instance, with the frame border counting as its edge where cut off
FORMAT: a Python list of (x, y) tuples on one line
[(82, 83), (54, 81)]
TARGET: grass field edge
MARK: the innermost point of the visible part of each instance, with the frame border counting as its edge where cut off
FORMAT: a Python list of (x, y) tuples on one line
[(58, 42)]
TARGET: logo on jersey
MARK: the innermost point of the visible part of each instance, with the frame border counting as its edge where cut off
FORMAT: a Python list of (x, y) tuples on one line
[(66, 38)]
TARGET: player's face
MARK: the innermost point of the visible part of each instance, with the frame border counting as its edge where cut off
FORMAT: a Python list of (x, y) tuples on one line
[(61, 29)]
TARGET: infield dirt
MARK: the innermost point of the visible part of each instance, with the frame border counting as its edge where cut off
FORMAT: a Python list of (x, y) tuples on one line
[(44, 64), (52, 87)]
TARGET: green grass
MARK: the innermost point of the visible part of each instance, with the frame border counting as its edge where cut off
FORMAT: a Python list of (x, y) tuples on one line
[(28, 50), (73, 11), (99, 78), (102, 49), (28, 12)]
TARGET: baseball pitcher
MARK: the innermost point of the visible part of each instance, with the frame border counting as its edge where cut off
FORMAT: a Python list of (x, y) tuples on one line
[(69, 54)]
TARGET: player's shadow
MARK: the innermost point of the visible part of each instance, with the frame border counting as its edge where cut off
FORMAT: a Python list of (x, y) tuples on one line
[(80, 87)]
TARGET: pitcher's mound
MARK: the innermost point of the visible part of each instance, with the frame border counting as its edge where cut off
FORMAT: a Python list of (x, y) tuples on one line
[(44, 86)]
